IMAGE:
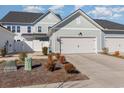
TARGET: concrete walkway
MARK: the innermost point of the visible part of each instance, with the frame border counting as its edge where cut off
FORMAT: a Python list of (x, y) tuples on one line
[(103, 71)]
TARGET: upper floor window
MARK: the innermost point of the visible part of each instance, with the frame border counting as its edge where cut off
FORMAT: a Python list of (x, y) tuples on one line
[(9, 28), (49, 28), (13, 28), (29, 29), (18, 29), (39, 28)]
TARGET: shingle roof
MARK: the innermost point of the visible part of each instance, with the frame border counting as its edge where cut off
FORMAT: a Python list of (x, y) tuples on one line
[(59, 16), (21, 17), (109, 24), (6, 29)]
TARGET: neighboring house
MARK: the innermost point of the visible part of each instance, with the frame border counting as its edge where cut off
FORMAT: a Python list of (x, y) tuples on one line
[(6, 39), (78, 33), (31, 29)]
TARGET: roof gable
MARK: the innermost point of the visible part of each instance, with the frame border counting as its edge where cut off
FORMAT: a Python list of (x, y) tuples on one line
[(26, 17), (48, 12), (78, 12)]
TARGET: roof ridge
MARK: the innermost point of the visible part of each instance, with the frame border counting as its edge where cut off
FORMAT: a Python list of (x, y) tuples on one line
[(25, 12)]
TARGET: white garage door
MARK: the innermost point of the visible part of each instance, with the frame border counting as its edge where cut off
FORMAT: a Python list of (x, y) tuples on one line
[(114, 43), (78, 45)]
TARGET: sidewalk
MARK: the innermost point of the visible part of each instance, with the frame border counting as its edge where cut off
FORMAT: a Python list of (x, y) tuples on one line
[(71, 84), (35, 55)]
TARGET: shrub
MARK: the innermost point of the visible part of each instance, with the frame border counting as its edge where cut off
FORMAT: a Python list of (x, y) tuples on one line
[(69, 68), (57, 56), (2, 61), (22, 56), (45, 50), (50, 64), (18, 61), (116, 53), (62, 59), (105, 50), (54, 58), (50, 58), (3, 52)]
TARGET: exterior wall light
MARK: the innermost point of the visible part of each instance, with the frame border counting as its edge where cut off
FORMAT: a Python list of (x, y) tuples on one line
[(80, 34)]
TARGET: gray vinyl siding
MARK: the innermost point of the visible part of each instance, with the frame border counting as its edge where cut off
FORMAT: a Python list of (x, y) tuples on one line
[(47, 21), (74, 33), (71, 28)]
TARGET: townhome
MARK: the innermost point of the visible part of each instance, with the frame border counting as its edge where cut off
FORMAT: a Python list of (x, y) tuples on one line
[(6, 39), (79, 33), (30, 29)]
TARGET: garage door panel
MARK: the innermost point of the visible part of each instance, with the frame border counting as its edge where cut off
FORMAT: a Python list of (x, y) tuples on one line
[(78, 45), (68, 44), (114, 44)]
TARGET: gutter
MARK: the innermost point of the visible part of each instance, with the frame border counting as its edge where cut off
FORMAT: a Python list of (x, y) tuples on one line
[(112, 30)]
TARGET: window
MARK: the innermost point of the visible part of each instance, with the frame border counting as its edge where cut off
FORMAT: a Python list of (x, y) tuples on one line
[(13, 28), (39, 28), (42, 38), (29, 29), (78, 21), (18, 29), (9, 28), (49, 28)]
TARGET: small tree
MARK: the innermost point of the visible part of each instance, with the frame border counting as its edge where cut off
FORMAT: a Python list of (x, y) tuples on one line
[(50, 64), (22, 56), (105, 50), (45, 50), (3, 52), (69, 68), (116, 53)]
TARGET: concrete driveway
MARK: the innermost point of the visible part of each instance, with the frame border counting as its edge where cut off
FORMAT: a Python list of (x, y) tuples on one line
[(103, 71)]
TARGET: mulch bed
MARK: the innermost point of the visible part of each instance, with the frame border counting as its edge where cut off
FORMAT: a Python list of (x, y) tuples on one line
[(38, 75)]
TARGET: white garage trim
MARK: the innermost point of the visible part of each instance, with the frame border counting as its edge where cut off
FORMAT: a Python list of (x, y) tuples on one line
[(94, 38), (76, 28)]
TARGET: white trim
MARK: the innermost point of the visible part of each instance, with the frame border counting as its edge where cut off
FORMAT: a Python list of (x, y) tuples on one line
[(54, 14), (83, 14), (90, 19), (44, 15), (45, 23), (76, 28), (113, 36), (112, 30), (96, 48)]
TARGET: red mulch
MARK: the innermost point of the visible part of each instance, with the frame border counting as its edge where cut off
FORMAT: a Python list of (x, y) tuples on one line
[(38, 75)]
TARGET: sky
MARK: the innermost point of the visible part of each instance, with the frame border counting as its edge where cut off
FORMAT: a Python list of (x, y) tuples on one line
[(113, 12)]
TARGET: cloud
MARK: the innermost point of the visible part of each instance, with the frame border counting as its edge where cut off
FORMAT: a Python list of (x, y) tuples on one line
[(33, 8), (56, 7), (118, 9), (117, 15), (76, 7), (99, 12), (106, 12)]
